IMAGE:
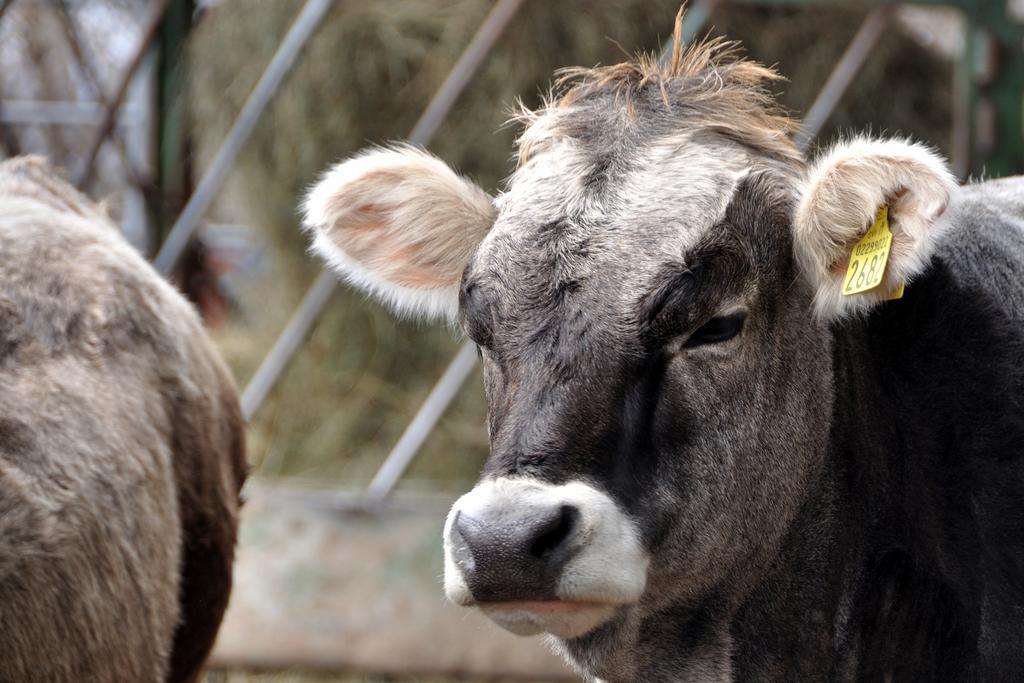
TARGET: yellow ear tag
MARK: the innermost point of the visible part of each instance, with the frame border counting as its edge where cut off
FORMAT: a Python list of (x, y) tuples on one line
[(870, 254)]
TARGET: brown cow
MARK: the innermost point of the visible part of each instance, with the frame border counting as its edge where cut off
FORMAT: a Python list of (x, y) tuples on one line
[(121, 451)]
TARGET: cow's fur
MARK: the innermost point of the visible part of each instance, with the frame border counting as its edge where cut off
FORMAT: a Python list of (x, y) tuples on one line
[(121, 451), (823, 487)]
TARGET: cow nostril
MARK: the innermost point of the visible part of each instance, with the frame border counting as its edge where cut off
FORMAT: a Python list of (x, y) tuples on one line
[(555, 532), (510, 552)]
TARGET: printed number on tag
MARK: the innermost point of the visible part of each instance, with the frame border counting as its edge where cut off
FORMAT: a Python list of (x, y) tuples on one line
[(870, 254)]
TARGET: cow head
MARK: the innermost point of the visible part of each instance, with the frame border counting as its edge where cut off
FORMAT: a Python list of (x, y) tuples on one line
[(651, 296)]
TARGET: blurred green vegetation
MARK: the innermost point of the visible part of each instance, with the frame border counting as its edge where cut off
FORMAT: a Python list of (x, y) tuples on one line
[(364, 79)]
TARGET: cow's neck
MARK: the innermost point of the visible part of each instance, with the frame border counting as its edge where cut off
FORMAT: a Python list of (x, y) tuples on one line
[(803, 619), (859, 589)]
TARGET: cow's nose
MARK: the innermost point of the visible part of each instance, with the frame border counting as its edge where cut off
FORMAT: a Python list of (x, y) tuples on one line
[(514, 554)]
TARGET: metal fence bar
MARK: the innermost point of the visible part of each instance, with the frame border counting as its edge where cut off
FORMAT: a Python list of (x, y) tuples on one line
[(280, 64), (63, 113), (316, 298), (470, 60), (287, 343), (156, 17), (92, 79), (960, 126), (441, 396), (842, 75)]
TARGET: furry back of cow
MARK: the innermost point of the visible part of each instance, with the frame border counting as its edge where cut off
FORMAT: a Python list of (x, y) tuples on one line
[(121, 451)]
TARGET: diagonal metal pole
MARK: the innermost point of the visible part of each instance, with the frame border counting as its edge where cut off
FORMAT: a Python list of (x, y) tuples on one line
[(316, 297), (84, 173), (89, 75), (466, 66), (440, 397), (287, 343), (302, 29), (842, 75)]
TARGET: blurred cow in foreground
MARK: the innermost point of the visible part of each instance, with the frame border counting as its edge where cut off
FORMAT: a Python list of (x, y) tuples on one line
[(725, 443), (121, 452)]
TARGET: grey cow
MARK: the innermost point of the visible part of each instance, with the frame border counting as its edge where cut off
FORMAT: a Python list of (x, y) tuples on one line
[(717, 453), (121, 452)]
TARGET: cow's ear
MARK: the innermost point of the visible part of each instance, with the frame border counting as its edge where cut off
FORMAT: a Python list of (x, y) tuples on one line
[(401, 225), (840, 197)]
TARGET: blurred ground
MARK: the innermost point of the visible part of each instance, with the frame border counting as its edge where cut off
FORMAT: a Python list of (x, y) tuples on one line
[(323, 584)]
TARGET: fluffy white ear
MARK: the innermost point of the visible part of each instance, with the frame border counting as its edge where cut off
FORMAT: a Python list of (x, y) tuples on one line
[(840, 196), (401, 225)]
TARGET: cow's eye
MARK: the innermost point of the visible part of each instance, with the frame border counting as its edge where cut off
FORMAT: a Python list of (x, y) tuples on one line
[(718, 329)]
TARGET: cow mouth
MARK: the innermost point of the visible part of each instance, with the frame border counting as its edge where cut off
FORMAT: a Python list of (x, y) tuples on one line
[(562, 618)]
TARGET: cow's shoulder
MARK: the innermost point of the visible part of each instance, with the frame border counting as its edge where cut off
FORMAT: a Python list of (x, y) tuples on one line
[(984, 245)]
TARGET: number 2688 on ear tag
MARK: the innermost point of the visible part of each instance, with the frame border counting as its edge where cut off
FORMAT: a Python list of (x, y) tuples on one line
[(869, 256)]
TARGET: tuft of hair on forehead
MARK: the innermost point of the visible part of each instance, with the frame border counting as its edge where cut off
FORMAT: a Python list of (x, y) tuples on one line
[(707, 84)]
